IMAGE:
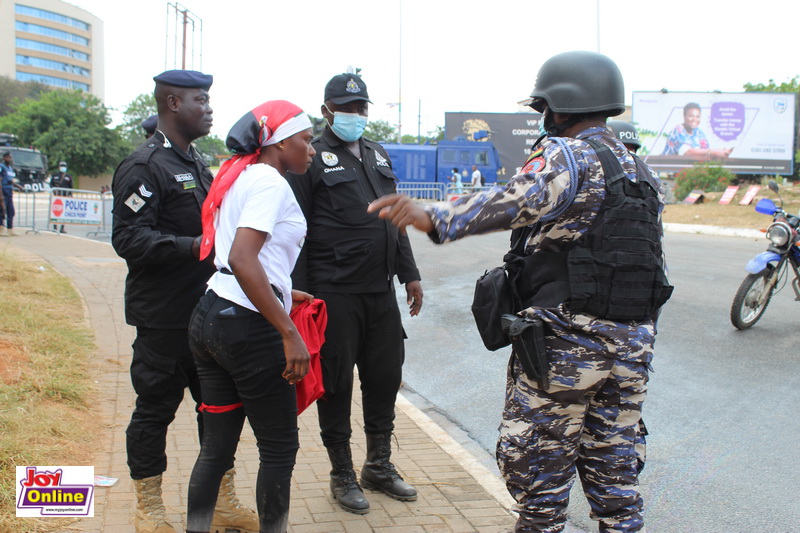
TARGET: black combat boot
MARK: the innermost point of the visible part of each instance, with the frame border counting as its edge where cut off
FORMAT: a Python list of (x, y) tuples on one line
[(380, 474), (344, 486)]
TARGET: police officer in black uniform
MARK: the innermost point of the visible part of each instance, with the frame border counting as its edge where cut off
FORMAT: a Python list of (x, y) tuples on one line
[(349, 260), (158, 192), (61, 180), (149, 126)]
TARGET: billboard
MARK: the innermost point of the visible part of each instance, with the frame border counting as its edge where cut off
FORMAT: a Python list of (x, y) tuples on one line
[(747, 133), (513, 134)]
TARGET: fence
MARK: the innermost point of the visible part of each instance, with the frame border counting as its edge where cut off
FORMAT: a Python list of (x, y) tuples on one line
[(46, 211), (423, 190)]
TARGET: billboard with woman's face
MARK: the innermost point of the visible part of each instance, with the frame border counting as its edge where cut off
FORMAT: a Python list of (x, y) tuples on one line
[(747, 133)]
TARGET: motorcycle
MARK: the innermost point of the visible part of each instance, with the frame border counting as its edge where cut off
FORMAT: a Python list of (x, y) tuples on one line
[(768, 271)]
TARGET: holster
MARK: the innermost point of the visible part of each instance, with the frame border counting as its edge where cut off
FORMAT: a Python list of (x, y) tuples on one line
[(527, 340)]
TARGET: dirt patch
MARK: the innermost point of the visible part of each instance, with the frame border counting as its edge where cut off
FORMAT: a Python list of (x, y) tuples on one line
[(733, 215), (13, 362)]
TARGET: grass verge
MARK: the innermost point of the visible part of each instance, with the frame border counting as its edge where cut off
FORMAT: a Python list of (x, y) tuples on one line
[(45, 390)]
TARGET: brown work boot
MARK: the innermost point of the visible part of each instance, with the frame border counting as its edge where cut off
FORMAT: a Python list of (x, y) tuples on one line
[(230, 514), (151, 517)]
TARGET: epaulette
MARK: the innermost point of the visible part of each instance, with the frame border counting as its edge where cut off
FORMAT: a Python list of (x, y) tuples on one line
[(142, 155)]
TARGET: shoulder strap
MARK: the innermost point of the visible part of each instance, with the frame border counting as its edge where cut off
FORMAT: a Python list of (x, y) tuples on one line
[(574, 178)]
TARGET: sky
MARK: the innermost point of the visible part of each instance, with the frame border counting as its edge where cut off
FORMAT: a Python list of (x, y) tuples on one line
[(436, 56)]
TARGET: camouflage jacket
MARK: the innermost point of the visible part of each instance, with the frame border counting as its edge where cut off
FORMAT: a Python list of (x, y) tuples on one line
[(542, 188)]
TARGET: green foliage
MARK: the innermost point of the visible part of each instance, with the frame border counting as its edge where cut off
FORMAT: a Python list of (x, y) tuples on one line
[(707, 177), (380, 131), (12, 92), (790, 86), (138, 110), (70, 126), (210, 147)]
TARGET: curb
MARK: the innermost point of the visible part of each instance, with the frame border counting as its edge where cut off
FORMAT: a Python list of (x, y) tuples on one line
[(713, 230)]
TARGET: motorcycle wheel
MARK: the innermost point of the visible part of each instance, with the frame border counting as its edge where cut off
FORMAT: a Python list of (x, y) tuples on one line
[(746, 308)]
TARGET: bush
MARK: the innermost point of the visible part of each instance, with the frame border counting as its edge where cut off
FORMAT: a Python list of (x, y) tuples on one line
[(707, 177)]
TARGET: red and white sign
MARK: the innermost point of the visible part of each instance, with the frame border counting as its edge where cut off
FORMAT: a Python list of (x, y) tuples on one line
[(728, 195), (750, 194), (58, 207)]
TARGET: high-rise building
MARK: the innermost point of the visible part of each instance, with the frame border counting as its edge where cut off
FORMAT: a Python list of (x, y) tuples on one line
[(52, 42)]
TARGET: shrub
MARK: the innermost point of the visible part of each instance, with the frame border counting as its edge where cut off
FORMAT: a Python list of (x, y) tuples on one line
[(707, 177)]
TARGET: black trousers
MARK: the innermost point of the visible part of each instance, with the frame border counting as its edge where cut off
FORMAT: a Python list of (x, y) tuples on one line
[(240, 359), (161, 369), (364, 330)]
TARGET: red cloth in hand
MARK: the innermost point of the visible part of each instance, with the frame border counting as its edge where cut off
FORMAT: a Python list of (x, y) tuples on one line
[(311, 319)]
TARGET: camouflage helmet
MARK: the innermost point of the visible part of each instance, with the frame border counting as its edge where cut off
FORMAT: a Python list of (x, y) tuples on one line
[(625, 132), (579, 82)]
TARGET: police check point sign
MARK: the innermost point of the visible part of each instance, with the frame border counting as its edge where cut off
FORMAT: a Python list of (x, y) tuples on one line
[(66, 210), (55, 491)]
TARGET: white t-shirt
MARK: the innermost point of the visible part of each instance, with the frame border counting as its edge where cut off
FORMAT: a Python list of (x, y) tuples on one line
[(476, 178), (260, 199)]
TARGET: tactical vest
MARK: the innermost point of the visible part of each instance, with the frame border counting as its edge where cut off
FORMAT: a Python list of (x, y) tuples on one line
[(616, 269)]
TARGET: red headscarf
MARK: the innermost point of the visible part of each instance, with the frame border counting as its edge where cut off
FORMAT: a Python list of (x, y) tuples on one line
[(269, 123)]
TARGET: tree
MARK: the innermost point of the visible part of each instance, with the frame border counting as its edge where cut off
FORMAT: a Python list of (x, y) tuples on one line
[(210, 147), (70, 126), (13, 92), (380, 131), (139, 109), (791, 86)]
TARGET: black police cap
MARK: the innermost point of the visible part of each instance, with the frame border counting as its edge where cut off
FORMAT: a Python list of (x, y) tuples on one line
[(149, 124), (344, 88), (191, 79)]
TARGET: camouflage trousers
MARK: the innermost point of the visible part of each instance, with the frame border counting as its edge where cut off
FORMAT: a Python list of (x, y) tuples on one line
[(588, 418)]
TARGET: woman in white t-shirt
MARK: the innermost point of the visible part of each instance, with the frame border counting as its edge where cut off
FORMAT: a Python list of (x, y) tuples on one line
[(248, 351)]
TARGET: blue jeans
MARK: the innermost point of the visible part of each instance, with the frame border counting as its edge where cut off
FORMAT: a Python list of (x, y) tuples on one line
[(239, 357)]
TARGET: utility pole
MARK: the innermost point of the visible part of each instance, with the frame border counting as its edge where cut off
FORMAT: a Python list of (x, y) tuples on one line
[(190, 24)]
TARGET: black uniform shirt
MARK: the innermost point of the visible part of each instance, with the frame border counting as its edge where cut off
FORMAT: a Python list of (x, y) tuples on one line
[(61, 180), (347, 249), (158, 193)]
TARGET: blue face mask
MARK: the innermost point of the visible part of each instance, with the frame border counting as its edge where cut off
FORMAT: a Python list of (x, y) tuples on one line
[(349, 127)]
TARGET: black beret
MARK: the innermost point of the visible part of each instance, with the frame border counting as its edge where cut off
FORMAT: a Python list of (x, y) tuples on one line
[(190, 79), (149, 124)]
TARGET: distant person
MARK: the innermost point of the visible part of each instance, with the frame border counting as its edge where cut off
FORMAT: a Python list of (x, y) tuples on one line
[(477, 178), (158, 191), (248, 352), (61, 180), (149, 126), (688, 139), (455, 179), (8, 174)]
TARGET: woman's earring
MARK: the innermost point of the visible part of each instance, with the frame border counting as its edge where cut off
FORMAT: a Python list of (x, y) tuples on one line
[(280, 146)]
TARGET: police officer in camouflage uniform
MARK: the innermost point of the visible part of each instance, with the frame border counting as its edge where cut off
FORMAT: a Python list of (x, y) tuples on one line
[(585, 416)]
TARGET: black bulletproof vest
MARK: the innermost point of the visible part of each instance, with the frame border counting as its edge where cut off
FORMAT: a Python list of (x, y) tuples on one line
[(616, 269)]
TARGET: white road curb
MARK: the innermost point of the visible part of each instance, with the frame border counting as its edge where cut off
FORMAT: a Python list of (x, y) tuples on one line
[(487, 479)]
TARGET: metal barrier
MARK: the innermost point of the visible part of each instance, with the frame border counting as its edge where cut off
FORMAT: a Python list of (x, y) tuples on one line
[(423, 190), (45, 211)]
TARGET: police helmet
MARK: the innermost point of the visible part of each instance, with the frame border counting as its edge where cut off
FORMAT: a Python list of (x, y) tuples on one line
[(579, 82), (625, 132)]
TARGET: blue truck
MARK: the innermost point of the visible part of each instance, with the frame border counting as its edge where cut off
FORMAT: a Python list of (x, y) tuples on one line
[(426, 163)]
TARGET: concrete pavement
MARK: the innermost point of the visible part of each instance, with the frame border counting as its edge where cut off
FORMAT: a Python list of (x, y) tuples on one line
[(456, 492)]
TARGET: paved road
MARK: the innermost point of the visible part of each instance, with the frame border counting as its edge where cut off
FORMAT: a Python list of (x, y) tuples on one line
[(722, 408)]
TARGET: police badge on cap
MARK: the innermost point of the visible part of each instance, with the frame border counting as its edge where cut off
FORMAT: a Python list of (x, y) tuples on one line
[(344, 88)]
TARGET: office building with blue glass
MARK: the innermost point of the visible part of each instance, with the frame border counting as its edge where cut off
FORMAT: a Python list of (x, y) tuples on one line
[(51, 42)]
